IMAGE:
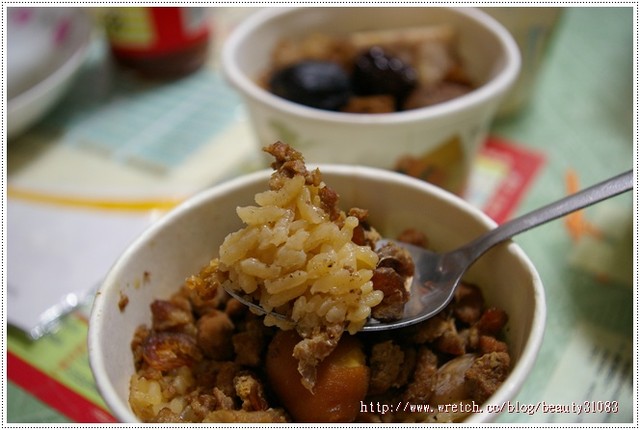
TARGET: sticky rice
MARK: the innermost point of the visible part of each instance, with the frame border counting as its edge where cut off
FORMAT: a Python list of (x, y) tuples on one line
[(295, 256)]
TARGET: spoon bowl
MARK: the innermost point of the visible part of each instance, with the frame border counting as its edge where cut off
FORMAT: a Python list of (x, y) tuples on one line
[(179, 243)]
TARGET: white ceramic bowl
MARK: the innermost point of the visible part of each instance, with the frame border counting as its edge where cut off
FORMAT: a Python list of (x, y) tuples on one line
[(446, 135), (45, 48), (189, 236)]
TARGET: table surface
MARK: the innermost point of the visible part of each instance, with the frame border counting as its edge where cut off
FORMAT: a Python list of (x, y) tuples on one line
[(580, 118)]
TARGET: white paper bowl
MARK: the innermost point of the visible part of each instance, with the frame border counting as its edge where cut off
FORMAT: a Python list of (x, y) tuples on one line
[(157, 263), (45, 48), (453, 130)]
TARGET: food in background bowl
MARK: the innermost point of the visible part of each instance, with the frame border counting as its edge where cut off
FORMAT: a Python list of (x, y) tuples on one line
[(378, 71), (436, 143), (206, 358)]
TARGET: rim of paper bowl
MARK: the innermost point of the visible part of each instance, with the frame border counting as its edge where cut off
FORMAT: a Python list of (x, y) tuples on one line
[(505, 392), (31, 104), (498, 84)]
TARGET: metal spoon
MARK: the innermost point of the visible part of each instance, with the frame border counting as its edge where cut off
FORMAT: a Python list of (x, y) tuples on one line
[(438, 274)]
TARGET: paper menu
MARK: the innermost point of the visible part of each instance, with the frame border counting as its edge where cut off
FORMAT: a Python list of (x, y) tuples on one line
[(57, 256), (60, 245)]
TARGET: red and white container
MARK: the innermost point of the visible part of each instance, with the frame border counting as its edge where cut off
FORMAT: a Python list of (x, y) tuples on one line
[(160, 42)]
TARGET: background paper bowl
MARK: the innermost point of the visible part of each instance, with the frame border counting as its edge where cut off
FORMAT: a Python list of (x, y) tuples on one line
[(446, 137), (45, 49), (158, 262)]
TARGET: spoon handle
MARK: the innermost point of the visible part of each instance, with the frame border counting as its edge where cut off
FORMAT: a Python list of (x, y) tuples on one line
[(581, 199)]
